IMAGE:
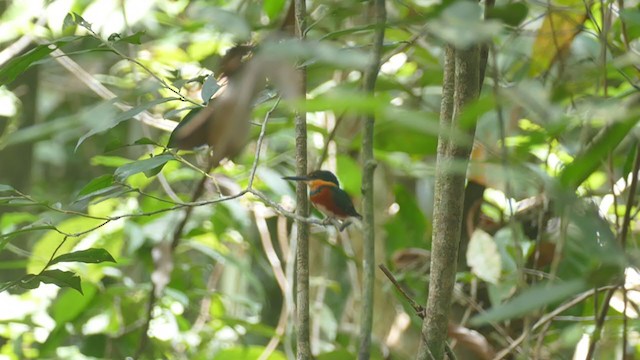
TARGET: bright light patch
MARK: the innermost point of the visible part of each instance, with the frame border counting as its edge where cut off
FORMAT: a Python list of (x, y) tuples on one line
[(397, 101), (582, 348), (163, 328), (177, 308), (632, 284), (393, 209), (96, 325), (400, 324), (394, 64)]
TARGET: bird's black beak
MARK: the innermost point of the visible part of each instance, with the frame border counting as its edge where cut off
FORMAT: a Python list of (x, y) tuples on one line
[(297, 178)]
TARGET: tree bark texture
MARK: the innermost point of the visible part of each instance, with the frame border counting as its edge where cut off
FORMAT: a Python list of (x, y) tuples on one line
[(302, 252), (461, 86)]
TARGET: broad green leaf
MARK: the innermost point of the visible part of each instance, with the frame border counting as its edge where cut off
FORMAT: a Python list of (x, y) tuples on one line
[(586, 163), (92, 256), (483, 257), (104, 126), (273, 8), (535, 297), (209, 88), (70, 304), (124, 171), (18, 65), (98, 183), (109, 161), (511, 14), (61, 278)]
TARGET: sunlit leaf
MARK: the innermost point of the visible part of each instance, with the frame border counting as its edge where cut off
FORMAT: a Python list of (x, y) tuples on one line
[(273, 8), (91, 256), (71, 304), (554, 38), (483, 257)]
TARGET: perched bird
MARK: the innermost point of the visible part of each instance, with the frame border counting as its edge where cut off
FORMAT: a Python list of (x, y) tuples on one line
[(325, 194)]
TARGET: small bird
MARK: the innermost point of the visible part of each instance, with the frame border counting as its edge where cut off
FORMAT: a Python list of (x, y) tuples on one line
[(325, 194)]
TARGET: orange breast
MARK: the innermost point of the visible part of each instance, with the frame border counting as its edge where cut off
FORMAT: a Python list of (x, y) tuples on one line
[(323, 199)]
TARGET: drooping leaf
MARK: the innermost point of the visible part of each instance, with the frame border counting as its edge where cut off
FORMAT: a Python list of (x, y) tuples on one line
[(91, 256), (61, 278), (124, 171)]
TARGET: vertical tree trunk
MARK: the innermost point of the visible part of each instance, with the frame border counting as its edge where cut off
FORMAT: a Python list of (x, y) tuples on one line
[(378, 14), (449, 196), (302, 254)]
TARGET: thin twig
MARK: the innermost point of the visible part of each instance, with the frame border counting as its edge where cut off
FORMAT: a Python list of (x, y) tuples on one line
[(419, 309)]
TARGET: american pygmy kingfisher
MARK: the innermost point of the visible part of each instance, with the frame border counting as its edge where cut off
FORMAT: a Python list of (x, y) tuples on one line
[(325, 194)]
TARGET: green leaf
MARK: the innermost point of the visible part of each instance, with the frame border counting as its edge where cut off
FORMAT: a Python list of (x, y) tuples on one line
[(135, 39), (69, 305), (272, 8), (511, 14), (104, 126), (5, 188), (209, 88), (18, 65), (91, 256), (531, 299), (109, 161), (98, 183), (586, 163), (75, 18), (124, 171), (61, 278)]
